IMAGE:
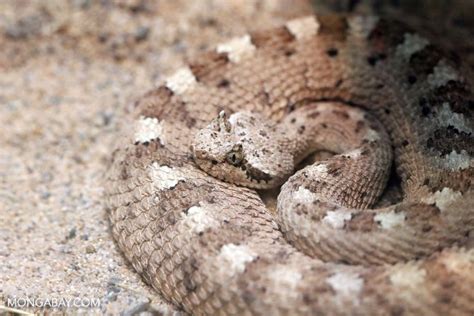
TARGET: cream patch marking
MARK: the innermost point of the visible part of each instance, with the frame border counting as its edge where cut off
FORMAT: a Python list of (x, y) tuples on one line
[(319, 170), (237, 48), (304, 27), (447, 117), (442, 73), (390, 219), (413, 43), (356, 115), (408, 275), (233, 259), (198, 219), (181, 81), (325, 106), (336, 219), (353, 154), (346, 283), (164, 177), (148, 129), (304, 196), (371, 135), (461, 264), (362, 26), (285, 278), (457, 161), (443, 199), (234, 117)]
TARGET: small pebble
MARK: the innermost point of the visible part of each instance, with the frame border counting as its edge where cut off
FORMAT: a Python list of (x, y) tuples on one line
[(72, 233), (142, 33), (24, 28), (113, 281), (90, 249), (82, 4)]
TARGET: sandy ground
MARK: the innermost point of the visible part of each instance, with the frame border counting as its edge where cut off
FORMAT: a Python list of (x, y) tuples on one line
[(69, 72)]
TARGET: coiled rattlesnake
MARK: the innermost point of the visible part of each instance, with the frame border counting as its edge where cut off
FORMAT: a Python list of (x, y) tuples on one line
[(210, 246)]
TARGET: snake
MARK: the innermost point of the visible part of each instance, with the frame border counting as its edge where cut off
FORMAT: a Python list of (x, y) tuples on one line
[(184, 187)]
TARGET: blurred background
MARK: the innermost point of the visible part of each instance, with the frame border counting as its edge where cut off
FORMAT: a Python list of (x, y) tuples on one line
[(69, 72)]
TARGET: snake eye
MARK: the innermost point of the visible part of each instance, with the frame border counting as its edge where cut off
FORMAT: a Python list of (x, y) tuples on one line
[(235, 157)]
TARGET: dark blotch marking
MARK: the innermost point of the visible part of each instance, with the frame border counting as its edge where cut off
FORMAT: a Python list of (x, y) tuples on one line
[(363, 222), (277, 38), (257, 174), (223, 83), (387, 34), (290, 108), (424, 61), (375, 58), (334, 169), (372, 60), (141, 151), (341, 114), (289, 52), (351, 6), (152, 103), (183, 115), (424, 107), (189, 267), (454, 58), (190, 122), (374, 126), (333, 25), (124, 174), (397, 311), (457, 94), (207, 63), (411, 79), (339, 83), (332, 52), (313, 115), (405, 143), (365, 152), (359, 126), (445, 140), (301, 129)]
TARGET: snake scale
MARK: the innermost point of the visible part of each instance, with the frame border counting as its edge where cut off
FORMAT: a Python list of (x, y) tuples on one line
[(181, 190)]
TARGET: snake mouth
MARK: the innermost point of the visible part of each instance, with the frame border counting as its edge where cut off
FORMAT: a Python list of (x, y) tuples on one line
[(246, 175), (254, 174)]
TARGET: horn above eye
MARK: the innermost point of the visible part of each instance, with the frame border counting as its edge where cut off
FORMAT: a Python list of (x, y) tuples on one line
[(223, 122)]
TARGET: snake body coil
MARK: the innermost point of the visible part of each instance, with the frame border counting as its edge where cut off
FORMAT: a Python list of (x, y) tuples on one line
[(192, 224)]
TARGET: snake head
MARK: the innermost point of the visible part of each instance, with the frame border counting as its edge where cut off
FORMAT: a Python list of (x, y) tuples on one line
[(244, 149)]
